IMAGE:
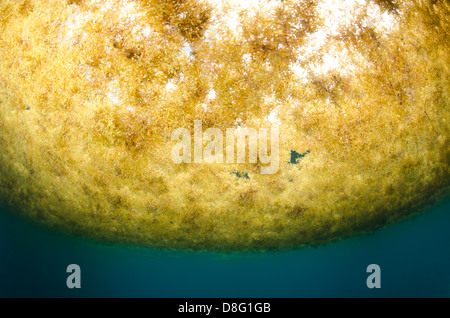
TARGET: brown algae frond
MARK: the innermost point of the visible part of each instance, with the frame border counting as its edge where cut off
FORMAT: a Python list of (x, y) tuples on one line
[(90, 92)]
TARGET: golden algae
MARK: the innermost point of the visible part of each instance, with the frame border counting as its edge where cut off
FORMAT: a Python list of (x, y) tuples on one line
[(91, 92)]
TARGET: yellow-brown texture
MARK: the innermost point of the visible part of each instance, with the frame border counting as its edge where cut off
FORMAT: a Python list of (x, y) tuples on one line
[(90, 92)]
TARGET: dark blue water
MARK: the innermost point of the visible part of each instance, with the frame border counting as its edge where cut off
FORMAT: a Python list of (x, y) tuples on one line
[(414, 257)]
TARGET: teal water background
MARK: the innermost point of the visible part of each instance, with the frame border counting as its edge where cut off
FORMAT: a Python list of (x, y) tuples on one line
[(414, 257)]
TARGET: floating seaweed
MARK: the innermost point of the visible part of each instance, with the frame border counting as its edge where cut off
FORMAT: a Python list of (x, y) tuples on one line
[(362, 88)]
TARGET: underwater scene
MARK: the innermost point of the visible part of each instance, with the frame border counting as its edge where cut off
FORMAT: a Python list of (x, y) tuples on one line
[(224, 148), (413, 257)]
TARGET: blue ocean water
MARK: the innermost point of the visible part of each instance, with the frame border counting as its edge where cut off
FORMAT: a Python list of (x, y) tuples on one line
[(414, 258)]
